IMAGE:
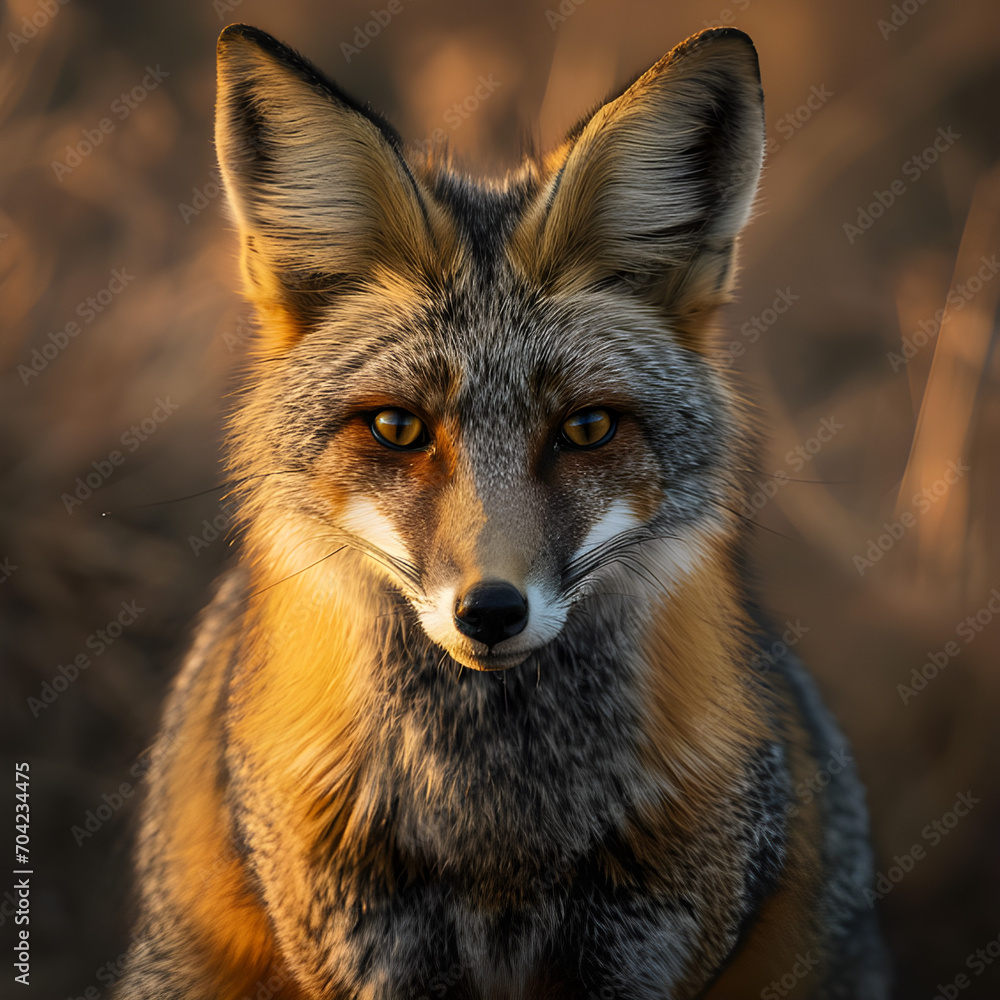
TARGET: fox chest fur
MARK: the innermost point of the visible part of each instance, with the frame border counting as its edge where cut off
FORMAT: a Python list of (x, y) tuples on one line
[(515, 828), (478, 712)]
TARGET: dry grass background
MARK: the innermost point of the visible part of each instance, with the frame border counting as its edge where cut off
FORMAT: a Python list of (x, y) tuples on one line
[(178, 328)]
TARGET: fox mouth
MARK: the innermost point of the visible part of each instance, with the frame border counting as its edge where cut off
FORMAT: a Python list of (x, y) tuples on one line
[(489, 660)]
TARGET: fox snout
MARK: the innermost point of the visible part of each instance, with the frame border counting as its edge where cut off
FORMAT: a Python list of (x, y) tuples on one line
[(508, 592), (490, 612)]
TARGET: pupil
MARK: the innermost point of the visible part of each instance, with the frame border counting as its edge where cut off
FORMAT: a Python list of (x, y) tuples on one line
[(589, 426), (398, 427)]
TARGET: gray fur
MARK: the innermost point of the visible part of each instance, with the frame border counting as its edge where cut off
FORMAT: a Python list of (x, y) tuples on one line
[(440, 824)]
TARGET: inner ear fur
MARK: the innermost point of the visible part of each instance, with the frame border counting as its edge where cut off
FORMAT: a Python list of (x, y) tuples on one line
[(319, 189), (654, 187)]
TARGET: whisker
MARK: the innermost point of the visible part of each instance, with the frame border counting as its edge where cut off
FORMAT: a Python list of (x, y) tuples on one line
[(399, 570), (750, 520), (632, 563), (401, 612), (297, 572), (403, 570), (607, 553), (229, 484), (793, 479), (593, 595)]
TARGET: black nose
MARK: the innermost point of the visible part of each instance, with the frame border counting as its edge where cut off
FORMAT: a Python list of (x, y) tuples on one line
[(491, 611)]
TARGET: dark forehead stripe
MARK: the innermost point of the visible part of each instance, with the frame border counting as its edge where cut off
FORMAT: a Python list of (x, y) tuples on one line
[(485, 216)]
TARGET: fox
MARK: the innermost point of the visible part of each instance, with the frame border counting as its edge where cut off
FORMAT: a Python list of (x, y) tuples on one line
[(483, 707)]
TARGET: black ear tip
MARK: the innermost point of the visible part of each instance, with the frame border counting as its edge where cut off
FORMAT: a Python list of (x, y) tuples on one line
[(710, 37), (233, 31), (247, 33)]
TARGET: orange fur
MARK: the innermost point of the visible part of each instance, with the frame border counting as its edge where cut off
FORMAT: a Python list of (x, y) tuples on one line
[(699, 717)]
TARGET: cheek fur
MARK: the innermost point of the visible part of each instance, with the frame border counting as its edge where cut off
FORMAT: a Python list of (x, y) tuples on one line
[(362, 516), (601, 493), (375, 492), (617, 519)]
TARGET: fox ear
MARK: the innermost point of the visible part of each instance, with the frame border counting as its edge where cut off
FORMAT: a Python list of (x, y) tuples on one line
[(655, 186), (321, 194)]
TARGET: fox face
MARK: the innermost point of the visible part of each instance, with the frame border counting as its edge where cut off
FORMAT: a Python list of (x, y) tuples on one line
[(496, 462), (511, 407)]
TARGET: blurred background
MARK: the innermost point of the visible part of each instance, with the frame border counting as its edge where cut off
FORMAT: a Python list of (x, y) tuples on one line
[(864, 327)]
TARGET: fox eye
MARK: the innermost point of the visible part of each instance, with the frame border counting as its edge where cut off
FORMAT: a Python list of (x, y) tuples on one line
[(588, 428), (399, 429)]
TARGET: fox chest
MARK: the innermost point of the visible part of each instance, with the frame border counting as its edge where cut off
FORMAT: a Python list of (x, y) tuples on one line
[(497, 887), (584, 944), (487, 858), (497, 906)]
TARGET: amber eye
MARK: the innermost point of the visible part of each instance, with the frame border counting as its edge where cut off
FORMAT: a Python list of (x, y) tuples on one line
[(399, 429), (588, 428)]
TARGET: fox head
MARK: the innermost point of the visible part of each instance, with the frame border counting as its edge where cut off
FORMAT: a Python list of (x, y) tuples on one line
[(500, 398)]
